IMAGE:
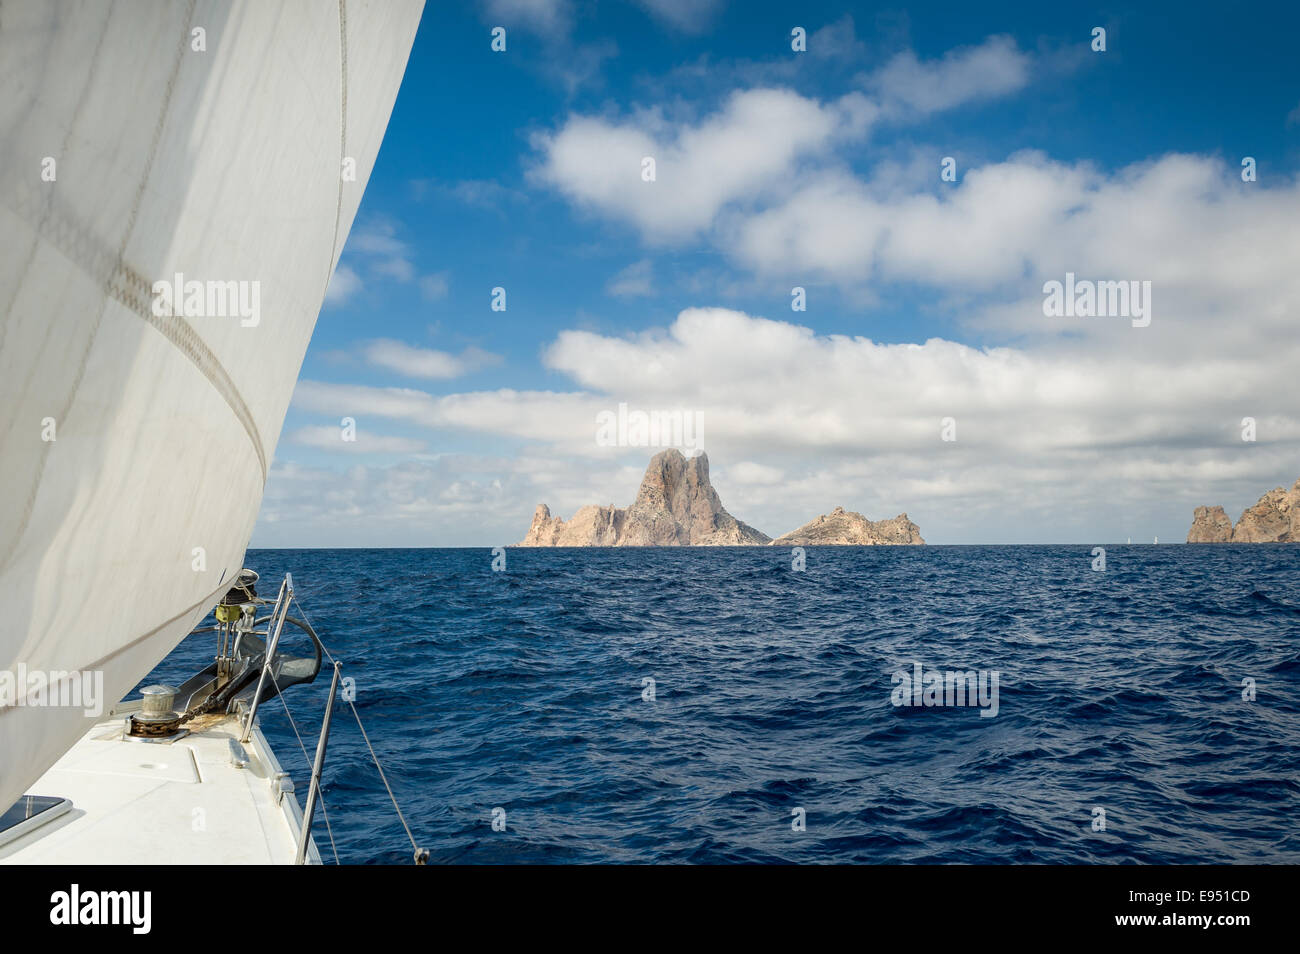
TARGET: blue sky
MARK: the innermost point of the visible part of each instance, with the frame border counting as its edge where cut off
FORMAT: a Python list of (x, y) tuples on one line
[(818, 169)]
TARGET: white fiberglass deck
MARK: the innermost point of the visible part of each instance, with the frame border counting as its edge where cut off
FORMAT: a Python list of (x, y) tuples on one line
[(184, 802)]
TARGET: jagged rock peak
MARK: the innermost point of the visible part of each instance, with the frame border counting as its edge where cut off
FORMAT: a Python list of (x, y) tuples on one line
[(676, 505), (1274, 519), (1210, 525)]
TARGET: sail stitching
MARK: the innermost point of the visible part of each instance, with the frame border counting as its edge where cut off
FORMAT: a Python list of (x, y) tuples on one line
[(202, 605), (343, 132), (127, 286), (74, 390)]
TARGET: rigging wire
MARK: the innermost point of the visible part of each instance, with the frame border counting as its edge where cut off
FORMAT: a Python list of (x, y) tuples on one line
[(303, 748), (420, 853)]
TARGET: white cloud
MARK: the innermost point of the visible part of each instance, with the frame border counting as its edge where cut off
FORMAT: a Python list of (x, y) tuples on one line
[(377, 238), (570, 64), (530, 415), (1211, 245), (752, 142), (331, 439), (344, 283), (425, 362), (1086, 429), (688, 16), (749, 472), (763, 147), (994, 68), (376, 245), (635, 281), (434, 287), (448, 500), (396, 267), (754, 145), (481, 193), (541, 16), (982, 231), (797, 423)]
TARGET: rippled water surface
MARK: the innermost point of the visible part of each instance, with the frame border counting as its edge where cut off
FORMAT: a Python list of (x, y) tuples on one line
[(522, 689)]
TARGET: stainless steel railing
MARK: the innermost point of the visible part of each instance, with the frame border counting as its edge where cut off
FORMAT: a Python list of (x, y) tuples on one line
[(277, 618)]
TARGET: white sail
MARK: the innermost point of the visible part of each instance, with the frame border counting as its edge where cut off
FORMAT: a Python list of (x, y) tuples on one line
[(140, 141)]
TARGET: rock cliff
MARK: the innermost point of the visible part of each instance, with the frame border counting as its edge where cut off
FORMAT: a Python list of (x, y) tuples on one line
[(1274, 519), (1210, 525), (846, 528), (675, 507)]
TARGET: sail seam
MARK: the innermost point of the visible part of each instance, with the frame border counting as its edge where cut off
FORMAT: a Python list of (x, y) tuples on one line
[(128, 287), (118, 258), (343, 133), (186, 340), (203, 604)]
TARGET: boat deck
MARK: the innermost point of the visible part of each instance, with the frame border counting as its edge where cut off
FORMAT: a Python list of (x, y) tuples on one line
[(204, 798)]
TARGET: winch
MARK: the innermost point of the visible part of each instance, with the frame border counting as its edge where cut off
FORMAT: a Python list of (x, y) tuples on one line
[(241, 674)]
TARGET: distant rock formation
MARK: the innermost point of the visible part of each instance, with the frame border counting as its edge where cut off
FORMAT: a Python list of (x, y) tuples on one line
[(1210, 525), (843, 527), (1274, 519), (675, 507), (678, 507)]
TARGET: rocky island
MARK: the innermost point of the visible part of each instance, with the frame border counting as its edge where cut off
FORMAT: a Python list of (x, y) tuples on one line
[(1274, 519), (675, 507), (843, 527), (678, 507)]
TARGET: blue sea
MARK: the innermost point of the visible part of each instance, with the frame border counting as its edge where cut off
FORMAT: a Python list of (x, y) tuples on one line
[(1125, 731)]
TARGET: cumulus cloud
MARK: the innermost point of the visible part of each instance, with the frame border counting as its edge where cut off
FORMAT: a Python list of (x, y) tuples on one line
[(798, 422), (426, 362), (364, 442), (1211, 245), (1073, 429), (1207, 241), (767, 385), (753, 141), (907, 84)]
